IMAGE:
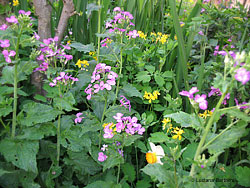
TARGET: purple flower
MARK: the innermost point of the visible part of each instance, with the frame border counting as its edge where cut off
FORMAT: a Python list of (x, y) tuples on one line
[(102, 157), (8, 54), (78, 118), (118, 117), (125, 102), (129, 15), (202, 101), (202, 10), (108, 24), (202, 166), (68, 57), (4, 43), (242, 75), (189, 93), (37, 37), (133, 34), (108, 133), (201, 33), (117, 9), (222, 53), (3, 27), (120, 152), (12, 19), (214, 91), (53, 83), (23, 12), (229, 40)]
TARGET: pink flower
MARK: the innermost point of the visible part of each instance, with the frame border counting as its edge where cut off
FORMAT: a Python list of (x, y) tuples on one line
[(104, 146), (118, 117), (242, 75), (214, 91), (53, 83), (8, 54), (102, 157), (108, 24), (189, 93), (202, 101), (125, 102), (4, 43), (201, 33), (133, 34), (23, 12), (12, 19), (37, 37), (3, 27), (78, 118), (117, 9)]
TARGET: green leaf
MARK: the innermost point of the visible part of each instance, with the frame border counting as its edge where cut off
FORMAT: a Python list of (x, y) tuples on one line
[(101, 184), (158, 137), (236, 113), (113, 160), (131, 139), (159, 108), (129, 170), (21, 153), (228, 138), (242, 175), (82, 163), (159, 80), (81, 47), (131, 91), (38, 113), (143, 184), (150, 68), (185, 120), (188, 154), (65, 103), (37, 132), (159, 172), (5, 106), (143, 77), (40, 98), (2, 172)]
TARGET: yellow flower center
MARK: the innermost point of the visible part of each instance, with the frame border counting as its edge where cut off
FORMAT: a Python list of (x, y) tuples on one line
[(151, 158)]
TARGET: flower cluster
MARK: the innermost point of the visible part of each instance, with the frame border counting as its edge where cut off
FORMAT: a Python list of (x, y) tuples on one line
[(102, 157), (166, 122), (217, 92), (150, 96), (105, 42), (50, 52), (206, 114), (125, 102), (102, 78), (142, 35), (127, 124), (6, 53), (107, 149), (242, 75), (200, 99), (159, 37), (84, 63), (15, 3), (64, 79), (178, 132), (93, 54)]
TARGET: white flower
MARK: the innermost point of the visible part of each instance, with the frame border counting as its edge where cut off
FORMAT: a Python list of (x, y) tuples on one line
[(155, 155)]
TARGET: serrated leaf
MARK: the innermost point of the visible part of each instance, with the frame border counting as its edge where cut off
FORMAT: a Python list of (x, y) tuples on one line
[(37, 132), (131, 91), (143, 184), (185, 120), (129, 171), (143, 77), (101, 184), (38, 113), (228, 138), (158, 137), (242, 175), (159, 80), (81, 47), (150, 68), (112, 161), (21, 153), (66, 102)]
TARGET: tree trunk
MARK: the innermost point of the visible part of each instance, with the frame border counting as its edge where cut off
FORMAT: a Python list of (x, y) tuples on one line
[(43, 11), (67, 12)]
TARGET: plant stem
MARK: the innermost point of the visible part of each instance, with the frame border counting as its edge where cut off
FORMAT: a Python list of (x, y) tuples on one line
[(15, 86), (58, 140), (99, 30), (136, 159), (175, 177), (212, 140), (2, 122), (118, 173), (105, 106), (209, 125)]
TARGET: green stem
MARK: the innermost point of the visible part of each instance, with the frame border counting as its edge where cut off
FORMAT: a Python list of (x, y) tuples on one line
[(105, 106), (15, 86), (136, 160), (2, 122), (209, 125), (58, 139), (212, 140), (120, 73), (118, 173), (175, 177), (99, 30)]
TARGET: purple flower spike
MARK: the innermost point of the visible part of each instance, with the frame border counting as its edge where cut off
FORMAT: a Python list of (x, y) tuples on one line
[(125, 102), (242, 75)]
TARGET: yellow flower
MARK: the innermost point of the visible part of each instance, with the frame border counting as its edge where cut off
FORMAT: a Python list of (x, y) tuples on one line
[(182, 25), (152, 33), (178, 132), (165, 123), (15, 3), (156, 93), (175, 37), (69, 42), (91, 53), (206, 114), (142, 35), (155, 154), (159, 33), (146, 95), (80, 63)]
